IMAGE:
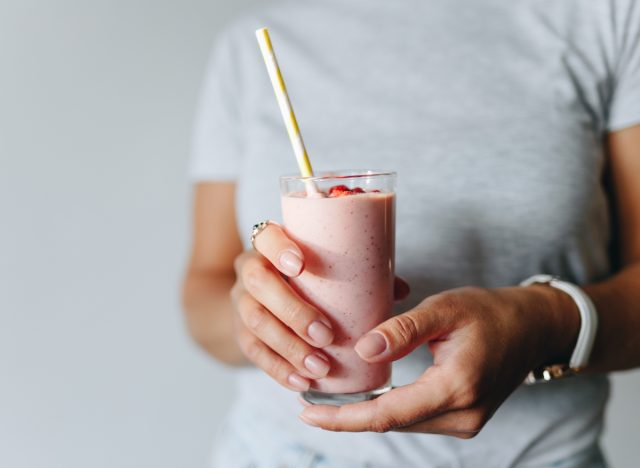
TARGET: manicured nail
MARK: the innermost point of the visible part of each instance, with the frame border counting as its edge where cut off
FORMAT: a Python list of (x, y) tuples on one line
[(320, 333), (290, 263), (372, 344), (298, 382), (305, 419), (317, 364)]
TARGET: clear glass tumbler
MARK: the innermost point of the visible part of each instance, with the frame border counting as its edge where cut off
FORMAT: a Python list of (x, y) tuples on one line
[(344, 222)]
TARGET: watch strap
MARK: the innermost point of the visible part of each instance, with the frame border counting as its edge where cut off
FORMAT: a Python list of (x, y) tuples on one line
[(586, 336)]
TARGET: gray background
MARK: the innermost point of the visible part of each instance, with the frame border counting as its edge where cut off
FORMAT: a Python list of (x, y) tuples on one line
[(96, 370)]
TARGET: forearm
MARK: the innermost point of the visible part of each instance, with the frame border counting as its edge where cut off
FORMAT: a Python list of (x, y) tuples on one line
[(617, 345), (209, 315)]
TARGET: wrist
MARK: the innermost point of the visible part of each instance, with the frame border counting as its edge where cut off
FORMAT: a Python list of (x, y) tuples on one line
[(560, 323)]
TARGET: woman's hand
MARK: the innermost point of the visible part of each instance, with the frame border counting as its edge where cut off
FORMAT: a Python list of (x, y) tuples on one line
[(276, 329), (484, 342)]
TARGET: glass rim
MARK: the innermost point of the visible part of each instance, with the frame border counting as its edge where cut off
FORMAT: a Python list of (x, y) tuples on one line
[(343, 174)]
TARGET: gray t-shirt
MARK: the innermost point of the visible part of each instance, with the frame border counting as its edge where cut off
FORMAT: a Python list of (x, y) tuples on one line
[(493, 113)]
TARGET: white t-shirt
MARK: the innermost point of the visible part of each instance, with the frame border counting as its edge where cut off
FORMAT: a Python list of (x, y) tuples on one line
[(493, 114)]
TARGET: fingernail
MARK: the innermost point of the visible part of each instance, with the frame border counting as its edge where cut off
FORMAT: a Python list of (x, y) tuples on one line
[(372, 344), (290, 263), (298, 382), (320, 333), (317, 364), (305, 419)]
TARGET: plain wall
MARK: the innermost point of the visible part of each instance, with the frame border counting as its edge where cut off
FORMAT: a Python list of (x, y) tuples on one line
[(96, 370)]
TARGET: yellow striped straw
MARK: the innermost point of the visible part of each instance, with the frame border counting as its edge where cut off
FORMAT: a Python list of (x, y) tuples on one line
[(269, 56)]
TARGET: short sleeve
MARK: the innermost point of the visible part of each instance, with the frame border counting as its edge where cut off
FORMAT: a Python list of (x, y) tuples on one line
[(624, 109), (216, 148)]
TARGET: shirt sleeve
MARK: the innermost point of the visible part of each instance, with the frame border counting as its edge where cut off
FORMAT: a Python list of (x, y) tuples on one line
[(216, 145), (624, 109)]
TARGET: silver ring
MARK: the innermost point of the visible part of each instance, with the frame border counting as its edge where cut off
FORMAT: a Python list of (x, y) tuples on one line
[(257, 229)]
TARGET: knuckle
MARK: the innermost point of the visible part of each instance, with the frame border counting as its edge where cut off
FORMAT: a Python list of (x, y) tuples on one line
[(292, 351), (466, 386), (473, 423), (278, 369), (476, 422), (240, 260), (383, 420), (406, 329), (467, 397), (252, 349), (255, 273), (293, 312), (445, 301), (384, 424), (244, 301), (255, 317), (476, 290)]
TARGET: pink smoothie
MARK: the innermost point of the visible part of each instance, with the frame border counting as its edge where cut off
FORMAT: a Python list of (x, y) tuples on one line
[(348, 245)]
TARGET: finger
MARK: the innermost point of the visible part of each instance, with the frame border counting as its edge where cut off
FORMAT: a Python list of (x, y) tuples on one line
[(242, 259), (275, 366), (397, 408), (401, 289), (401, 334), (463, 424), (308, 360), (269, 289), (281, 251)]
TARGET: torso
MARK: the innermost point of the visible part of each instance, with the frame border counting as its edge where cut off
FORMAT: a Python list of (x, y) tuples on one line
[(493, 115)]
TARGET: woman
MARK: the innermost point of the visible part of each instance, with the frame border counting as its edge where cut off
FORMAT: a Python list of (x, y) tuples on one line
[(514, 128)]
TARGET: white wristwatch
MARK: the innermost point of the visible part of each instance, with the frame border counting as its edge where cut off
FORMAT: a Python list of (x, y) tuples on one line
[(589, 325)]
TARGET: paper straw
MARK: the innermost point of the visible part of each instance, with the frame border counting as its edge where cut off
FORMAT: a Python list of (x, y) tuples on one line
[(269, 56)]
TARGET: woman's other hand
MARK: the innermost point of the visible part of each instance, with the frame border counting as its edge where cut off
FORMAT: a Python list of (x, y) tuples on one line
[(484, 343)]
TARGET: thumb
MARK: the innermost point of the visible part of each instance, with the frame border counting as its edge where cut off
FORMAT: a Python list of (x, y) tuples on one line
[(398, 336)]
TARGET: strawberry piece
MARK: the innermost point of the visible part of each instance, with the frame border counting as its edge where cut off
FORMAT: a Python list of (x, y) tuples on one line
[(375, 191), (340, 193), (344, 193), (338, 188), (343, 190)]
